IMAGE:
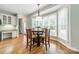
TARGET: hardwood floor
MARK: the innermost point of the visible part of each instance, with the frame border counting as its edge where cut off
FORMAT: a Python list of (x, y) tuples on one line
[(18, 46)]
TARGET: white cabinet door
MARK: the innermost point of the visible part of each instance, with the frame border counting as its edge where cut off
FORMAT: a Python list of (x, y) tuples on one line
[(9, 20), (4, 17), (14, 34), (13, 20)]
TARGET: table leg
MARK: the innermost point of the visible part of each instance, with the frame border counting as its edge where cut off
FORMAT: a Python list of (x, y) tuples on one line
[(38, 41)]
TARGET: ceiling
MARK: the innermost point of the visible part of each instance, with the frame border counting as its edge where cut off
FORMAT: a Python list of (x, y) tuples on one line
[(23, 9)]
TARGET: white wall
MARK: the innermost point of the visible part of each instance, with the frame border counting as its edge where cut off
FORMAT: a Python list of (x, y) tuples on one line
[(74, 16), (29, 22)]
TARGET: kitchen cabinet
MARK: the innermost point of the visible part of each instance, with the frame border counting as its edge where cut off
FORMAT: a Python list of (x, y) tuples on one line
[(14, 34), (8, 19), (8, 34), (4, 19), (8, 26)]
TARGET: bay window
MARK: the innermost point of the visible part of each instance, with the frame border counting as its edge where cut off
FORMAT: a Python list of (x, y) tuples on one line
[(53, 24), (62, 23), (51, 21)]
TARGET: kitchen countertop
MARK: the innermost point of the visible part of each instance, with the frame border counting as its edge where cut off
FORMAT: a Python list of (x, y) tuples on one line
[(8, 30)]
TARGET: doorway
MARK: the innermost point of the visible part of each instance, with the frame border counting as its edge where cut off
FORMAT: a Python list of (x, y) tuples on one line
[(20, 25)]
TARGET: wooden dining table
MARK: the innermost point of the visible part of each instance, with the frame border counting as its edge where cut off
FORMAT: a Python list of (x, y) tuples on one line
[(38, 33)]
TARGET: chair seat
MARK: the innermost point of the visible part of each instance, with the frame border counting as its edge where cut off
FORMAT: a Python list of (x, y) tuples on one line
[(34, 36), (43, 36)]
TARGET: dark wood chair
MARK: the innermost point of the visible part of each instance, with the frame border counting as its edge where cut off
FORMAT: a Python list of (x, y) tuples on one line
[(46, 37), (29, 39)]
